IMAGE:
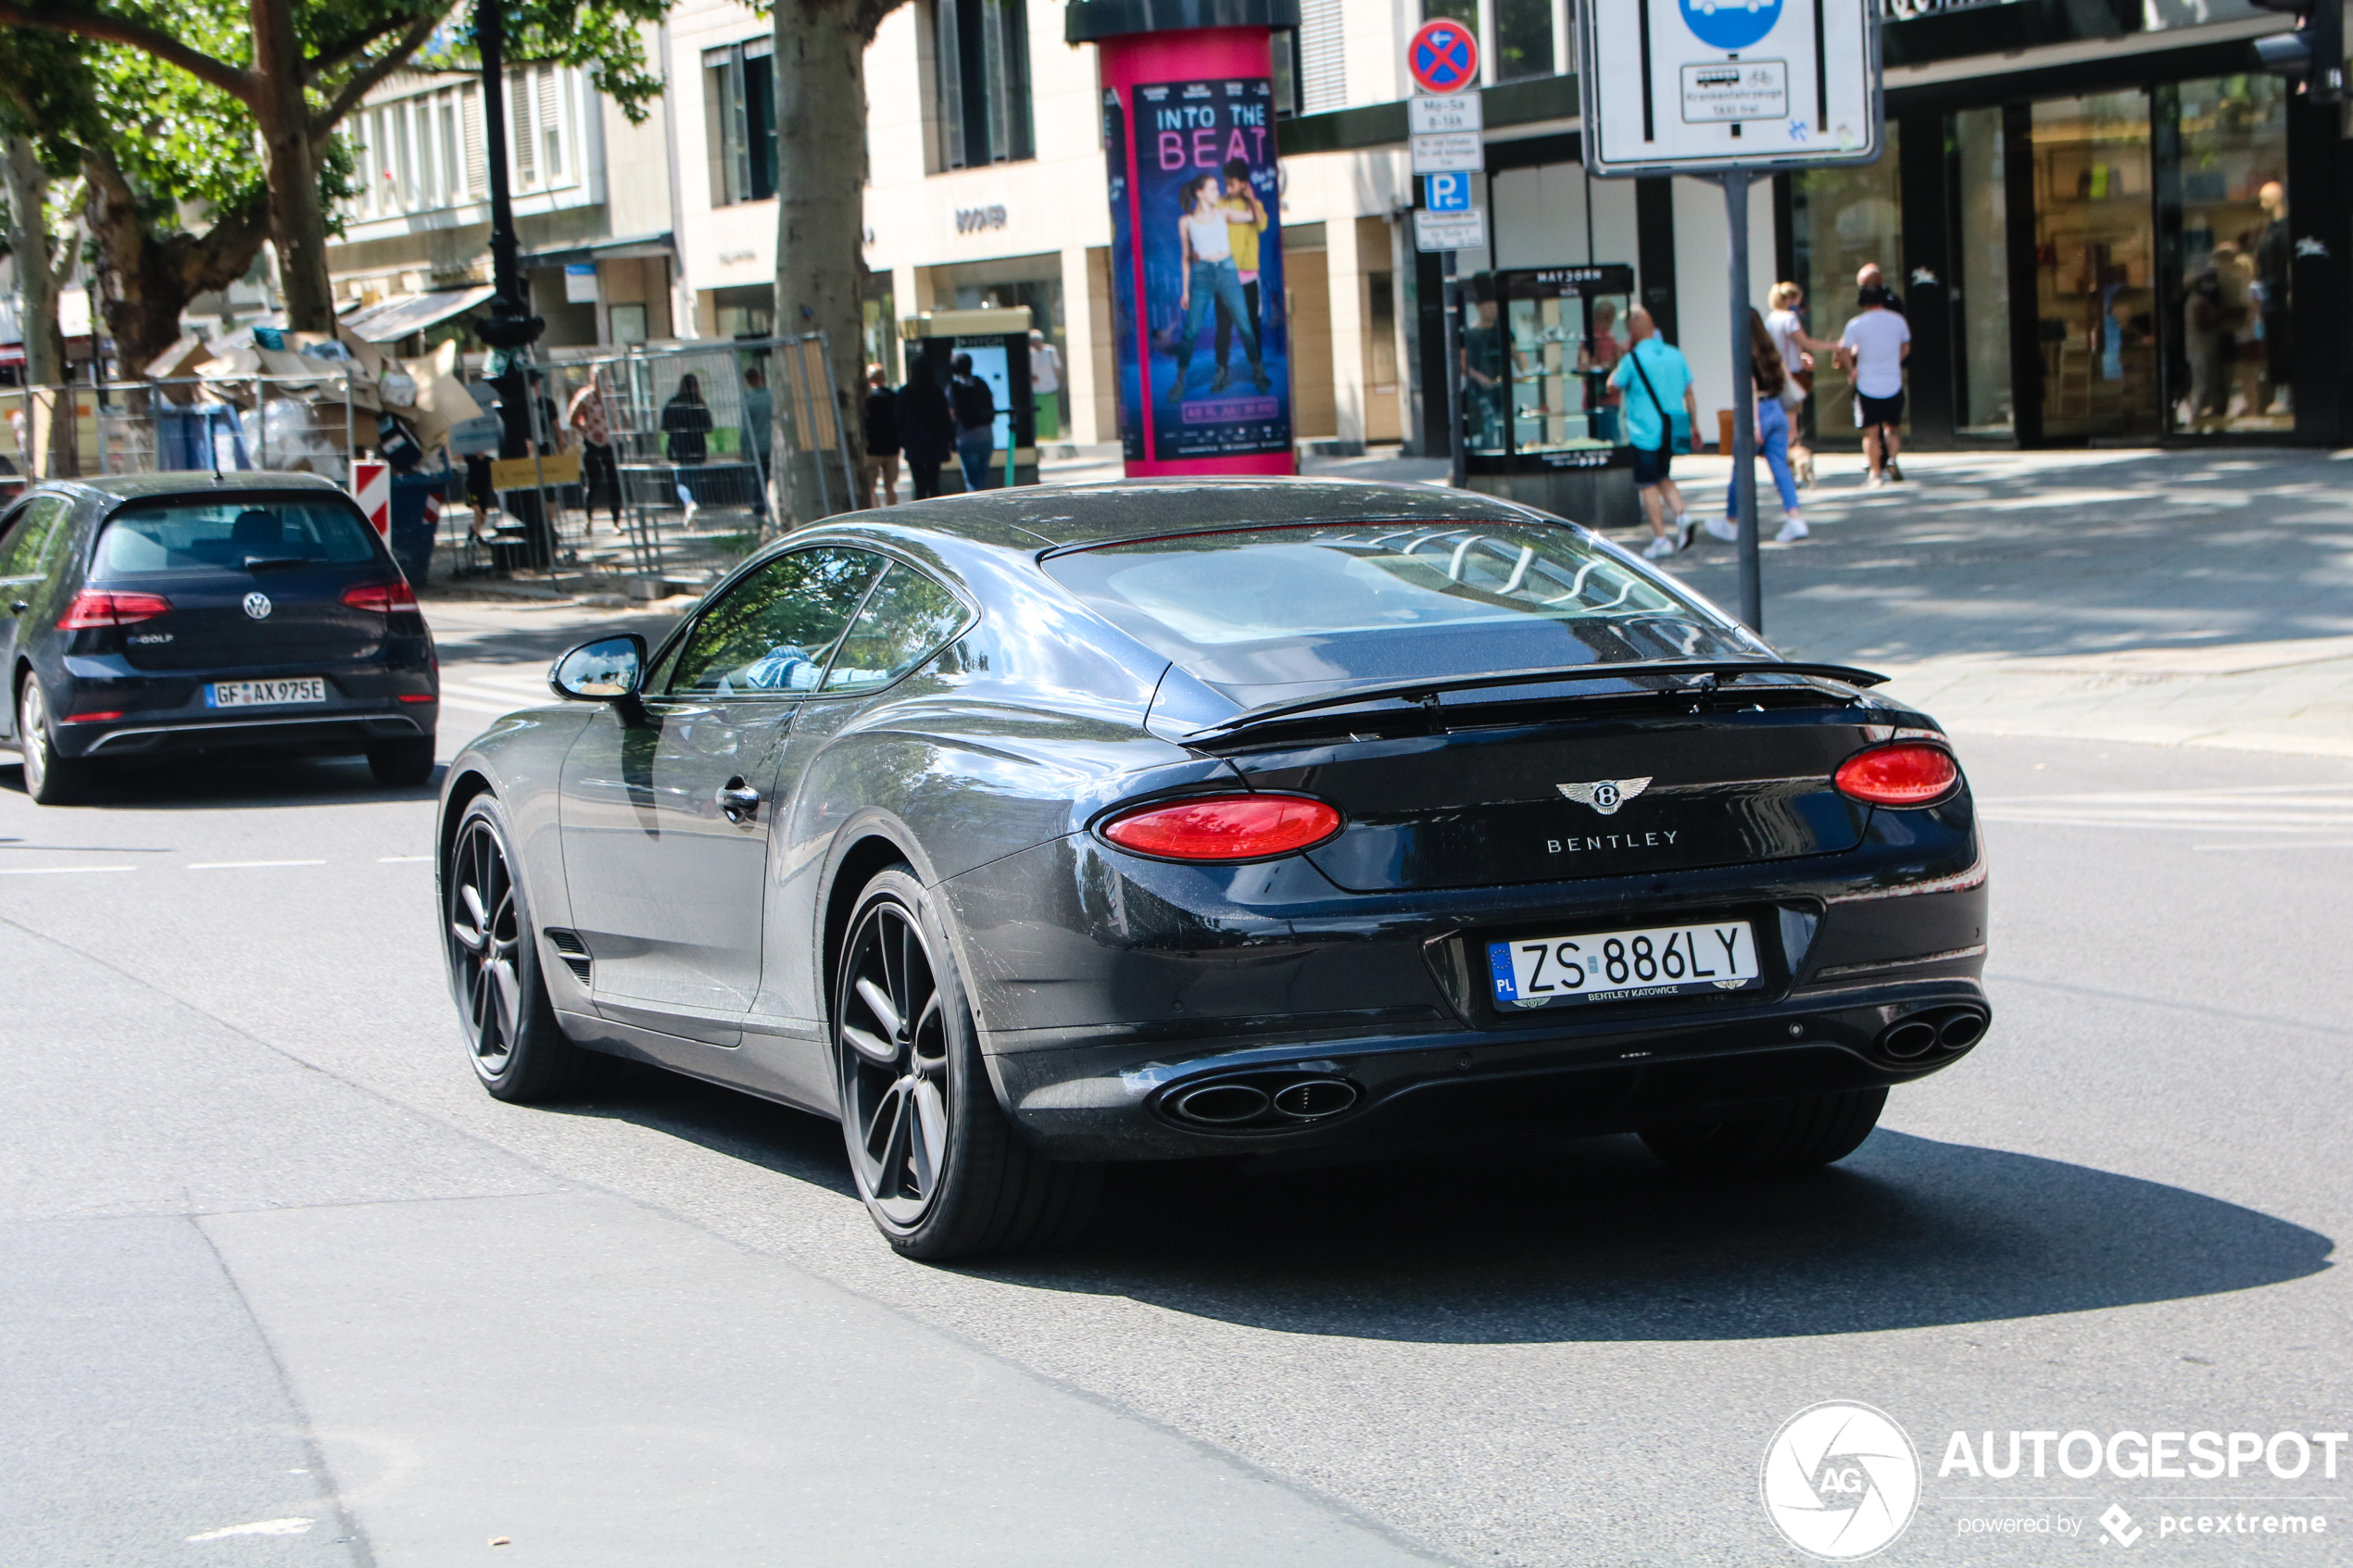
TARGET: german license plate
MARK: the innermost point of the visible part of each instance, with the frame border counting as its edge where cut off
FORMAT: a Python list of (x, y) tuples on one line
[(266, 694), (1661, 960)]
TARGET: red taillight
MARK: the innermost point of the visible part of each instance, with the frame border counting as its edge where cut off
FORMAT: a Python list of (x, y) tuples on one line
[(91, 608), (93, 718), (386, 596), (1907, 773), (1225, 827), (420, 697)]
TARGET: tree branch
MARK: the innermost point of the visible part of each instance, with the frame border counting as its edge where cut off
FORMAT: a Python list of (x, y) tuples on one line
[(401, 51), (330, 60), (240, 84)]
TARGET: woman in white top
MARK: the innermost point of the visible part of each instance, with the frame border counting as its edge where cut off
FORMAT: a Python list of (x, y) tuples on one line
[(1206, 248), (1797, 351)]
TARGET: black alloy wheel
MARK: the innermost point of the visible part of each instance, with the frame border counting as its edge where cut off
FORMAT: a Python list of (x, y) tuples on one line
[(49, 779), (518, 1049), (940, 1167)]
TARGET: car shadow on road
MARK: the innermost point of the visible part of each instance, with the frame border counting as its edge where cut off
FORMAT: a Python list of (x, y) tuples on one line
[(232, 783), (741, 1126), (1591, 1240)]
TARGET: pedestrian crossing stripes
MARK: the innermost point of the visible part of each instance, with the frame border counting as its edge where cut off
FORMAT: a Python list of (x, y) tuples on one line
[(2295, 810)]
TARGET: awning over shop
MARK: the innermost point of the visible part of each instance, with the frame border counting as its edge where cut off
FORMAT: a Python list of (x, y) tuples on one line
[(404, 314)]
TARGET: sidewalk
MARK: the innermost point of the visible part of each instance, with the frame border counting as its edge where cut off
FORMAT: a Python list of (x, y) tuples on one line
[(2177, 598)]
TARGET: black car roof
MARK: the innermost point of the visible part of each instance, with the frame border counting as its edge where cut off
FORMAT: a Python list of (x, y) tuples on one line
[(146, 486), (1112, 509)]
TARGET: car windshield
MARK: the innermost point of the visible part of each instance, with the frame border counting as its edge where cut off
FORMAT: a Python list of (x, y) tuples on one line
[(158, 537), (1276, 607)]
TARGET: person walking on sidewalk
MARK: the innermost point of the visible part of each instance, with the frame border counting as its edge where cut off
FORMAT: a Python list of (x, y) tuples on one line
[(1653, 371), (881, 439), (1871, 351), (1797, 350), (1772, 439), (600, 473), (975, 408), (926, 428)]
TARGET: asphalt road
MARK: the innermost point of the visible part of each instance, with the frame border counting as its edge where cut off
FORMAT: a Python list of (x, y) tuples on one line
[(270, 1261)]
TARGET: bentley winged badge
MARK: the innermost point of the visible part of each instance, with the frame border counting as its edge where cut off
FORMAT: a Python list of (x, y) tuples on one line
[(1606, 796)]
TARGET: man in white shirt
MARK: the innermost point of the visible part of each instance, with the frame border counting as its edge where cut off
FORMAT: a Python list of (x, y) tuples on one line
[(1871, 351), (1046, 386)]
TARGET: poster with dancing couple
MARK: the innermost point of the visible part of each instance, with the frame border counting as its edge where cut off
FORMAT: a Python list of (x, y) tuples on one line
[(1198, 287)]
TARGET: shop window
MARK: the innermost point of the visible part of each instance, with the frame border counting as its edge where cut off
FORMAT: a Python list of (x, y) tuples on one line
[(1286, 75), (1843, 218), (2233, 372), (740, 121), (980, 81), (1983, 317), (2094, 278)]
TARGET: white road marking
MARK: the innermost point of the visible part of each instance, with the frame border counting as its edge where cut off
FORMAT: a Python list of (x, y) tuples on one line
[(60, 871), (248, 865), (260, 1527), (2300, 844), (2287, 808), (401, 859)]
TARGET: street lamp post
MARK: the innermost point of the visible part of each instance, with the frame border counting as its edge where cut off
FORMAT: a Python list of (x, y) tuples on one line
[(510, 328)]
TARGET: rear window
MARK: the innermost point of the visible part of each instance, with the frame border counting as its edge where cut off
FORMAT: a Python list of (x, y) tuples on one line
[(1283, 606), (155, 537)]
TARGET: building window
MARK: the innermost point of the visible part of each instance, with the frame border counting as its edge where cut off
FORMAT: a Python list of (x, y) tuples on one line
[(1323, 57), (539, 126), (980, 80), (740, 121)]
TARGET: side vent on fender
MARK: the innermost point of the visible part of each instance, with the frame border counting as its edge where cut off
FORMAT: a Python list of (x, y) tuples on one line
[(572, 950)]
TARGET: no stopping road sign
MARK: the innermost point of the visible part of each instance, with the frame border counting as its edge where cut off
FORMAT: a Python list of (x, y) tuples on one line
[(1442, 56)]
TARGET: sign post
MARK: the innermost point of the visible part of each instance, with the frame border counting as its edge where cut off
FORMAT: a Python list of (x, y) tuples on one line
[(1733, 93), (1447, 124)]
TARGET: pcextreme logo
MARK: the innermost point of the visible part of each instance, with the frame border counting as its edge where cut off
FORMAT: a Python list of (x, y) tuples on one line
[(1840, 1480)]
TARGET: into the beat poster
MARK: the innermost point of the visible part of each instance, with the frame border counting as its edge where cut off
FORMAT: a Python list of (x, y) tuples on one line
[(1204, 347)]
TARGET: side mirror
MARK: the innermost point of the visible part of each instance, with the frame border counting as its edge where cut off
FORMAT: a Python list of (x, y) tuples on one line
[(608, 670)]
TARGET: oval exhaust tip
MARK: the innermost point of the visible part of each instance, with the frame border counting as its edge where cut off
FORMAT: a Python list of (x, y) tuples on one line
[(1962, 1030), (1910, 1038), (1312, 1098), (1221, 1104)]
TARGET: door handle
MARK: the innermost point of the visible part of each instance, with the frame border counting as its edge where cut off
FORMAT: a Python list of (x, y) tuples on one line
[(738, 802)]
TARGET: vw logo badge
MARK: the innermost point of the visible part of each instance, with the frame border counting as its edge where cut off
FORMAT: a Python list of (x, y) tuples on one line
[(1841, 1481), (257, 606)]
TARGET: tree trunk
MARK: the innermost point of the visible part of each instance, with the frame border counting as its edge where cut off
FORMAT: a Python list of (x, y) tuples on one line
[(45, 343), (821, 187), (146, 282), (298, 220)]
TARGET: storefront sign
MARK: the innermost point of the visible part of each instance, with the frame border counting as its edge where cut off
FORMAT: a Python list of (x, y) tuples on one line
[(1204, 345), (1450, 231), (580, 282), (1720, 87)]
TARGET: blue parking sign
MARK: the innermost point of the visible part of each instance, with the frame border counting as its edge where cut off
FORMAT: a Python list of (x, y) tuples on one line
[(1448, 193)]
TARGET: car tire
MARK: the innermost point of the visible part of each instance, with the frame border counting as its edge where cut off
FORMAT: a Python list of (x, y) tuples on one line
[(937, 1160), (1799, 1135), (408, 761), (518, 1049), (50, 779)]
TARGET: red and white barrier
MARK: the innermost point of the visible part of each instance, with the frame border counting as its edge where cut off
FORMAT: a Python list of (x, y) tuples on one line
[(371, 487)]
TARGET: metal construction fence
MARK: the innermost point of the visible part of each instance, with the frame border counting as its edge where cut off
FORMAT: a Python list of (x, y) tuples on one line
[(685, 482)]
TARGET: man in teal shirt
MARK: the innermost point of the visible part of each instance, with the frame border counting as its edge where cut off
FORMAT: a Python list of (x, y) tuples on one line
[(1652, 376)]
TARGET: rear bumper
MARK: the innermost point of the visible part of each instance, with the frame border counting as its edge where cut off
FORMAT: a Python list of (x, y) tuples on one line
[(342, 732), (1116, 1099)]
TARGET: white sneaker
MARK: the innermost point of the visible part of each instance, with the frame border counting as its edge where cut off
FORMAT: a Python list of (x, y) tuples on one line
[(1874, 480), (1724, 529), (1793, 527), (1660, 547), (1685, 527)]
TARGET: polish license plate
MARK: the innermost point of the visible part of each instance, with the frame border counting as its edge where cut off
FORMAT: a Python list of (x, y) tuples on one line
[(266, 694), (1662, 960)]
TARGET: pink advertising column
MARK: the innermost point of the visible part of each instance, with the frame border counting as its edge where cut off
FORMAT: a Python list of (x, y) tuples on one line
[(1203, 339)]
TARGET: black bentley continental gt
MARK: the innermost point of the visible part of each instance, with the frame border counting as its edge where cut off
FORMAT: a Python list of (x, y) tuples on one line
[(1034, 830), (153, 616)]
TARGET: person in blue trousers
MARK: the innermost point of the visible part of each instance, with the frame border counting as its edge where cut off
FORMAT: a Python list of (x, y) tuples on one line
[(1772, 440), (1212, 280)]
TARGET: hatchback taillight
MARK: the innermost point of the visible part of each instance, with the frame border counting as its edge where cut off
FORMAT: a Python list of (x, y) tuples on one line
[(386, 596), (91, 608), (1225, 827), (1907, 773)]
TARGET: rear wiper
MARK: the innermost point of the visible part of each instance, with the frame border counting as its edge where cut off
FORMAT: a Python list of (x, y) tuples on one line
[(274, 563), (1712, 674)]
